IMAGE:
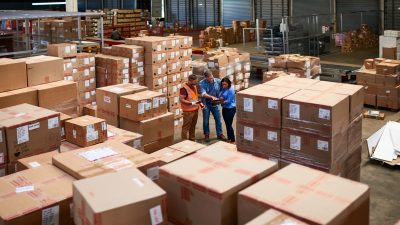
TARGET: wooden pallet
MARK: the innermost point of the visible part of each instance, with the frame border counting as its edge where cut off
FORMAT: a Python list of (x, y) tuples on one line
[(379, 116)]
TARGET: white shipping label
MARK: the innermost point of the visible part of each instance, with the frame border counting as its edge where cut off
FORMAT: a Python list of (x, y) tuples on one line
[(140, 69), (158, 47), (156, 102), (172, 55), (2, 160), (107, 99), (34, 164), (86, 61), (87, 83), (178, 75), (67, 49), (92, 80), (141, 107), (98, 153), (73, 60), (323, 145), (125, 61), (153, 173), (163, 100), (160, 81), (125, 71), (128, 106), (164, 55), (173, 78), (272, 104), (24, 189), (110, 134), (74, 71), (92, 69), (93, 92), (187, 63), (86, 72), (91, 135), (87, 95), (185, 53), (137, 144), (140, 63), (164, 66), (174, 66), (248, 104), (159, 70), (211, 64), (272, 136), (158, 57), (52, 123), (147, 106), (248, 133), (294, 111), (156, 215), (69, 65), (185, 74), (91, 59), (34, 126), (176, 100), (185, 41), (271, 61), (62, 131), (74, 133), (22, 134), (324, 114), (103, 126), (174, 89), (295, 142)]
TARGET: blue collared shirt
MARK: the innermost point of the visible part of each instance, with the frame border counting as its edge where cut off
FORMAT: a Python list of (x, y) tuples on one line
[(229, 98), (212, 89)]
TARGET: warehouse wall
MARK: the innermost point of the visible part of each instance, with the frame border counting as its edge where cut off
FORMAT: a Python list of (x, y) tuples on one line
[(271, 10), (392, 14), (236, 10), (353, 20)]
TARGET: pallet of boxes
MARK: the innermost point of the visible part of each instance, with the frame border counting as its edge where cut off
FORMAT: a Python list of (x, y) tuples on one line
[(80, 68), (313, 123), (228, 62), (380, 78), (303, 66)]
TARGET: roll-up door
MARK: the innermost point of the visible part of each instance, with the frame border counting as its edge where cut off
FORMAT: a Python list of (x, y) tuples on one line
[(236, 10), (352, 18), (392, 15), (271, 10)]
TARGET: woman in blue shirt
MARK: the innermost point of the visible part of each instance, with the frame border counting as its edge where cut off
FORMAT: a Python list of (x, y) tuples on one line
[(228, 102)]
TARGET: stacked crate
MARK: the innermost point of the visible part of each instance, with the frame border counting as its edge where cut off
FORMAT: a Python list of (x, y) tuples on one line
[(111, 70), (314, 123), (304, 66), (381, 80), (135, 54)]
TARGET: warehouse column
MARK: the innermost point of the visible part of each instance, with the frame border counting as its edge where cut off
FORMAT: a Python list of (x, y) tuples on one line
[(71, 6)]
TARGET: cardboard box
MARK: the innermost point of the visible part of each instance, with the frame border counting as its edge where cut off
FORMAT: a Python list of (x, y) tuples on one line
[(370, 99), (60, 96), (387, 68), (13, 74), (313, 148), (36, 196), (66, 147), (190, 147), (152, 129), (274, 217), (258, 139), (366, 77), (98, 159), (314, 111), (63, 118), (388, 97), (30, 130), (133, 192), (85, 59), (262, 104), (131, 139), (159, 102), (222, 145), (292, 82), (44, 69), (155, 58), (136, 107), (307, 204), (371, 89), (389, 53), (356, 97), (86, 130), (90, 110), (36, 161), (369, 64), (155, 70), (354, 139), (197, 194), (158, 144), (107, 99), (151, 43), (62, 50), (387, 80), (27, 95)]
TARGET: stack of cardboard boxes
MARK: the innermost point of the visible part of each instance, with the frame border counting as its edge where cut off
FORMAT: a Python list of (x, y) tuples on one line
[(111, 70), (228, 62), (249, 35), (304, 121), (219, 36), (135, 54), (304, 66), (381, 80), (146, 113)]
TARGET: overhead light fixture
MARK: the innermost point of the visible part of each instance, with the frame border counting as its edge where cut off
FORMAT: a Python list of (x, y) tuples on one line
[(49, 3)]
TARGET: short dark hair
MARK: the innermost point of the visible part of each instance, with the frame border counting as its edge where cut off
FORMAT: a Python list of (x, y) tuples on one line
[(192, 77), (226, 80), (207, 73)]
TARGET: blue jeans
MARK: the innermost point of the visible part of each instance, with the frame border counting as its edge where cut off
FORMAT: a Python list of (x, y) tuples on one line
[(214, 109), (228, 115)]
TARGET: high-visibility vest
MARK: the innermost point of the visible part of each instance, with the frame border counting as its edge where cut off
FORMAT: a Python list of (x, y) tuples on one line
[(192, 97)]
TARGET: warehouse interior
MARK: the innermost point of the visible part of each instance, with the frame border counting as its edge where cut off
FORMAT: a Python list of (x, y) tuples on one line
[(193, 112)]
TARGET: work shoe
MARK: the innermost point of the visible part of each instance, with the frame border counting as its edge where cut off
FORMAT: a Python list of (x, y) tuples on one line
[(221, 137), (206, 137)]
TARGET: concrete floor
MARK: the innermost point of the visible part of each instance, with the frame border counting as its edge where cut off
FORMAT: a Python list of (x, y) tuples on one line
[(383, 180)]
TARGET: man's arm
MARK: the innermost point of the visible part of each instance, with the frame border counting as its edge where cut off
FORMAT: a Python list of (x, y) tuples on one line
[(204, 93)]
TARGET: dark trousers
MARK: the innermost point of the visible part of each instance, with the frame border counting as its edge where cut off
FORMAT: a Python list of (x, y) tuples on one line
[(228, 115)]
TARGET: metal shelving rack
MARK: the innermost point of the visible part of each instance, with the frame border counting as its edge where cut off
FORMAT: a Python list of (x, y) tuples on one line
[(27, 16)]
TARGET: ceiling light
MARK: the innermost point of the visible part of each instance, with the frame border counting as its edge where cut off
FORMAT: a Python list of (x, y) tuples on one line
[(49, 3)]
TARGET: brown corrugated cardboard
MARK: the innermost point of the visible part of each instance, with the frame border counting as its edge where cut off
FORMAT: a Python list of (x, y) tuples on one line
[(190, 147), (275, 217), (222, 145), (86, 130), (196, 193), (98, 159), (314, 111), (36, 161), (366, 77), (388, 97), (313, 148), (13, 74), (356, 97), (152, 129), (262, 104), (355, 134), (25, 95), (292, 82), (62, 50), (370, 99), (135, 200), (371, 89), (158, 144), (159, 102), (387, 80), (151, 43), (305, 194), (387, 68), (60, 96), (63, 118), (389, 53), (44, 69), (258, 139), (30, 130), (168, 155), (136, 107), (369, 64), (155, 57), (107, 99), (66, 146), (90, 110), (129, 138), (85, 59), (36, 196)]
